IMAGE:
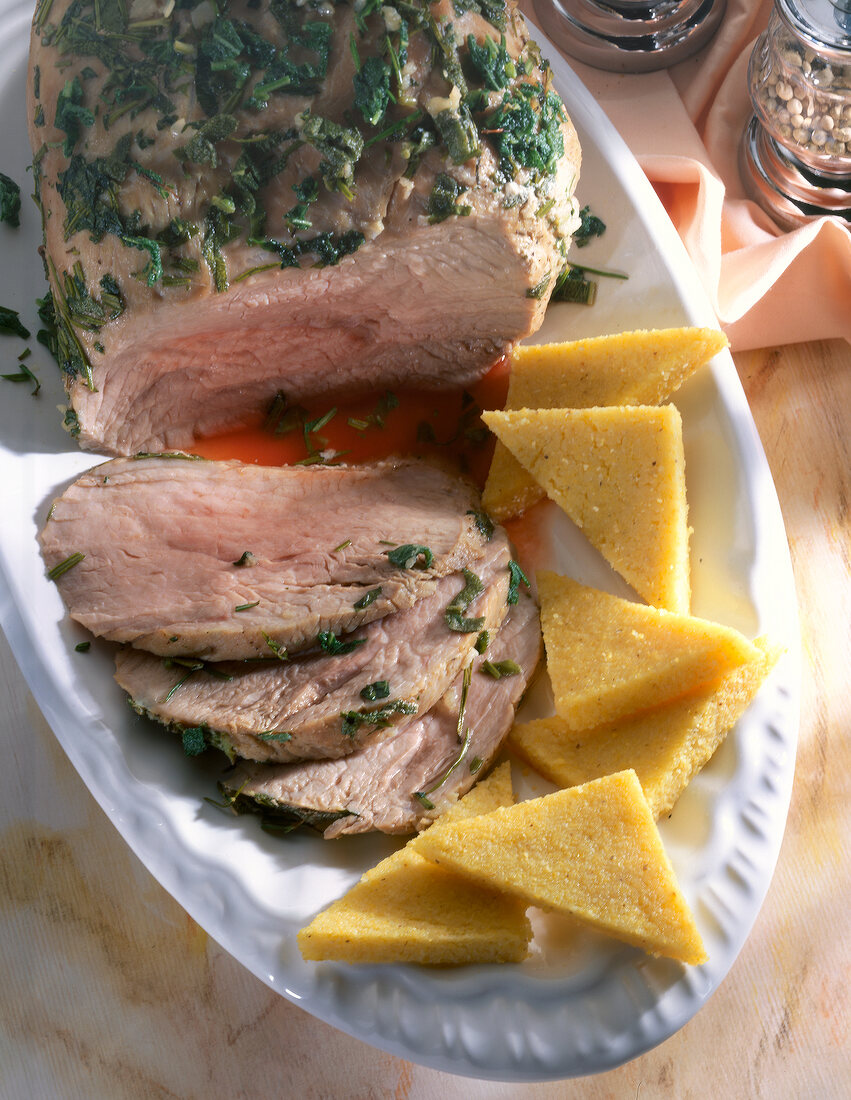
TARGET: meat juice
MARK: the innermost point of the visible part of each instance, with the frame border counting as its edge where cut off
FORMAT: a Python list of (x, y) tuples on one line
[(419, 423)]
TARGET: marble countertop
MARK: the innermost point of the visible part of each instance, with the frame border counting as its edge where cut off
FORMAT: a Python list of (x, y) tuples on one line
[(109, 990)]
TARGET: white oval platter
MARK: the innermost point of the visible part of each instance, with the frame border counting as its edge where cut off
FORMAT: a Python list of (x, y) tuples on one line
[(580, 1004)]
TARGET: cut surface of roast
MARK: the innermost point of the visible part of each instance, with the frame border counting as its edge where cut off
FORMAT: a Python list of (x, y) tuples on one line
[(326, 705), (229, 561), (401, 780), (298, 198)]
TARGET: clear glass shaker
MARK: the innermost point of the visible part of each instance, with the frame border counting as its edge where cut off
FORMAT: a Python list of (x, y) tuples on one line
[(796, 151)]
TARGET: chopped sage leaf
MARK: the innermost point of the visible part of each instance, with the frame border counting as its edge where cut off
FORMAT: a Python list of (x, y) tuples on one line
[(378, 690), (380, 717), (590, 226), (194, 740), (516, 577), (484, 523), (372, 90), (443, 200), (539, 289), (329, 643), (367, 598), (10, 324), (499, 669), (454, 614), (24, 374), (407, 556), (10, 201)]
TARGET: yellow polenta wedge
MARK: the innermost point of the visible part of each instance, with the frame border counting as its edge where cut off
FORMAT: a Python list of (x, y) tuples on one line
[(630, 368), (666, 747), (591, 852), (609, 658), (619, 473), (408, 909)]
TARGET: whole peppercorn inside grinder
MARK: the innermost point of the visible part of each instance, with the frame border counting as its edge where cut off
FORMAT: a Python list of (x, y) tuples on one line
[(796, 151)]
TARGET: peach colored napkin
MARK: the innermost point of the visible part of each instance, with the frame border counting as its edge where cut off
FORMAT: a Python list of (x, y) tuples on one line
[(684, 125)]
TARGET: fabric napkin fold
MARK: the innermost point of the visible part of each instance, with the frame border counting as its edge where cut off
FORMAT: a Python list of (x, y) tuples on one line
[(684, 126)]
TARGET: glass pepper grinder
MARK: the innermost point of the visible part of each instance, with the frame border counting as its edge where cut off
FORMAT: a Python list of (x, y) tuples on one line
[(795, 156), (630, 36)]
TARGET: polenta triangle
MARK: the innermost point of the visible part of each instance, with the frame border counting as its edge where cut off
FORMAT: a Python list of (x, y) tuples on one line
[(665, 747), (609, 658), (619, 473), (630, 368), (407, 909), (591, 852)]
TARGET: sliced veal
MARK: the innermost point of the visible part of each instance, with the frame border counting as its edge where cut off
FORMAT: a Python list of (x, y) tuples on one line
[(326, 704), (225, 560), (399, 782)]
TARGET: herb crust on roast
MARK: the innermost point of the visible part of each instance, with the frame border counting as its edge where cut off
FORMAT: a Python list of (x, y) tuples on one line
[(298, 196)]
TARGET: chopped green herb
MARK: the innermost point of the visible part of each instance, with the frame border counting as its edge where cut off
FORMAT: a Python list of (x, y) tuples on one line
[(526, 129), (10, 324), (367, 598), (378, 690), (246, 606), (329, 643), (406, 557), (82, 647), (380, 717), (590, 226), (279, 650), (491, 10), (454, 614), (464, 738), (539, 289), (63, 566), (499, 669), (246, 560), (194, 740), (24, 374), (572, 286), (475, 764), (443, 200), (372, 90), (516, 577), (71, 116), (342, 546), (10, 201), (491, 62), (483, 523), (275, 735), (483, 641)]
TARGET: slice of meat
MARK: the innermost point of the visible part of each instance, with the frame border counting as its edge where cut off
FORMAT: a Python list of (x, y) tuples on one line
[(263, 207), (377, 787), (162, 540), (312, 707)]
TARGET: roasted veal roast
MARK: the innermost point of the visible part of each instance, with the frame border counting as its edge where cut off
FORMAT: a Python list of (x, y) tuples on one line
[(300, 196)]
